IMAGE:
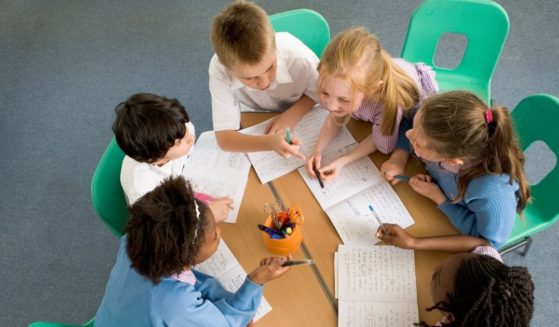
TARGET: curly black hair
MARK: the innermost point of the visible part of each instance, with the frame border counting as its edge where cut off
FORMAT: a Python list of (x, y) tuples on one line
[(489, 293), (147, 125), (164, 231)]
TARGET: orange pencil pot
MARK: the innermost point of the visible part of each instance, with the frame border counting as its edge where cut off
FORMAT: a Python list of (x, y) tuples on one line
[(282, 246)]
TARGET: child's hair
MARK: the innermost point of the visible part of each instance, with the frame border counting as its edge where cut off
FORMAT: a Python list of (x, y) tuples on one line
[(242, 33), (456, 125), (148, 125), (165, 231), (489, 293), (356, 56)]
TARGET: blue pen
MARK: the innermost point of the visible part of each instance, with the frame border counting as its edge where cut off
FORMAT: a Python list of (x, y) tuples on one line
[(378, 219), (270, 231), (288, 135), (403, 178)]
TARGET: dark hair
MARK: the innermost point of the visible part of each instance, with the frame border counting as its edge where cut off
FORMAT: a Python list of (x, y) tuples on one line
[(164, 231), (455, 122), (489, 293), (148, 125)]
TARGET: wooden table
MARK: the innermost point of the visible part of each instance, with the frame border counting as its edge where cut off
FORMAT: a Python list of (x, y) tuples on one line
[(297, 298), (321, 239)]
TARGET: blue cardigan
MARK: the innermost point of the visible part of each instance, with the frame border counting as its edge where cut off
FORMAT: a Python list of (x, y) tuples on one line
[(132, 300)]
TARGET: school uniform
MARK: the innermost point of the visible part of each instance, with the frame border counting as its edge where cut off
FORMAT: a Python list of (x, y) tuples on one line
[(373, 111), (138, 178), (188, 299), (296, 75)]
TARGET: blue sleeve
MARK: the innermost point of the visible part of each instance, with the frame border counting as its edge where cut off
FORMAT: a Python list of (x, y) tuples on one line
[(405, 125), (180, 304), (488, 210)]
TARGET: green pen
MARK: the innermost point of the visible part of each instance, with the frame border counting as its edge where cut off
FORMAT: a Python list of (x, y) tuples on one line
[(288, 135)]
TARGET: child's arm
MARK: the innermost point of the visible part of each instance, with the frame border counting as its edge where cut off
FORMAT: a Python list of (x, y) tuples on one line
[(397, 162), (333, 169), (328, 131), (234, 141), (455, 243), (291, 116)]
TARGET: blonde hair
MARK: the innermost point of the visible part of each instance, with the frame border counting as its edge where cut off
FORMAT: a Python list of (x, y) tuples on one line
[(456, 127), (242, 33), (356, 56)]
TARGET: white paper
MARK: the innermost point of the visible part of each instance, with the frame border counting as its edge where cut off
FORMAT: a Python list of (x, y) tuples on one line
[(362, 314), (376, 274), (354, 221), (269, 165), (224, 267), (376, 286), (217, 173)]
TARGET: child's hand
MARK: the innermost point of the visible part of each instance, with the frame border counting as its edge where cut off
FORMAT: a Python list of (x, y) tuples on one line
[(315, 160), (391, 168), (281, 122), (285, 149), (333, 169), (396, 236), (270, 269), (423, 185), (220, 208)]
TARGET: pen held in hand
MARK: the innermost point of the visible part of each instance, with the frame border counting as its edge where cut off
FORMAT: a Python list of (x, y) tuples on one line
[(378, 220), (317, 173), (288, 135), (403, 178), (298, 262)]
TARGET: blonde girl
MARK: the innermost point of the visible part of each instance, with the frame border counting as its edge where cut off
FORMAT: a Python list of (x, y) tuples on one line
[(358, 78), (475, 169)]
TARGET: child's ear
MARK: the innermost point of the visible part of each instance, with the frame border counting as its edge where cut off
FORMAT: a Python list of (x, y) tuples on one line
[(456, 161)]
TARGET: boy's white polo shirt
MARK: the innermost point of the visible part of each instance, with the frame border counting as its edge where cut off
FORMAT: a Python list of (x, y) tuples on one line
[(296, 75)]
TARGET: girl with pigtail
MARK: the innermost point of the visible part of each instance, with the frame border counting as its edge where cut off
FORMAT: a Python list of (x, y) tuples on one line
[(475, 171), (358, 78)]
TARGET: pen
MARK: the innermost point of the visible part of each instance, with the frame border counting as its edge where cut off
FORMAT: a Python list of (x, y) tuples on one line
[(378, 220), (402, 178), (317, 173), (270, 231), (298, 262), (288, 135)]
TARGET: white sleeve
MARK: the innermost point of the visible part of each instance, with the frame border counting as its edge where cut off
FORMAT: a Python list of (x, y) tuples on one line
[(311, 89), (226, 113)]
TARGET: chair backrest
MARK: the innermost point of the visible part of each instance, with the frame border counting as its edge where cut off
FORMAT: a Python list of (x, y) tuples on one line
[(535, 119), (305, 24), (484, 23), (56, 324), (106, 192)]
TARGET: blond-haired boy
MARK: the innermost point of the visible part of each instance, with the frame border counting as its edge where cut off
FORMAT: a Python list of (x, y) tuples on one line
[(261, 69)]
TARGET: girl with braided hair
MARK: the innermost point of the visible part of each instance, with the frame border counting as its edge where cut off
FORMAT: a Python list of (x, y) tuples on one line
[(475, 170), (153, 282), (477, 289)]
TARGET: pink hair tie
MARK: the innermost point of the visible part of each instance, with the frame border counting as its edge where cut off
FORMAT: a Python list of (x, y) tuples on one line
[(488, 116)]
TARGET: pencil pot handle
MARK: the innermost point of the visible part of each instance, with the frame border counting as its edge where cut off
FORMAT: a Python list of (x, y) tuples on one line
[(282, 246)]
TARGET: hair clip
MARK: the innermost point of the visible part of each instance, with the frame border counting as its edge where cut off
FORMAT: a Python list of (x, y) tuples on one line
[(197, 219), (488, 116)]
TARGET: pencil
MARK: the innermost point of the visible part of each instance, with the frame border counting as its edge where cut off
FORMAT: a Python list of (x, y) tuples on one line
[(298, 262), (378, 220)]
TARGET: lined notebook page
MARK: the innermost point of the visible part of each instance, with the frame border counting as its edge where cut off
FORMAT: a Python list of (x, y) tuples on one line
[(269, 165), (361, 314), (354, 221), (376, 273), (217, 173), (224, 267)]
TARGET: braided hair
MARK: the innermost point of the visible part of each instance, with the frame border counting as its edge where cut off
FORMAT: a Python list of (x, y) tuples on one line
[(489, 293), (165, 230)]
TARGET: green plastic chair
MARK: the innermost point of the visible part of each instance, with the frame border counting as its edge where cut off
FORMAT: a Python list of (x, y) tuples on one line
[(484, 23), (305, 24), (106, 192), (535, 119), (54, 324)]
